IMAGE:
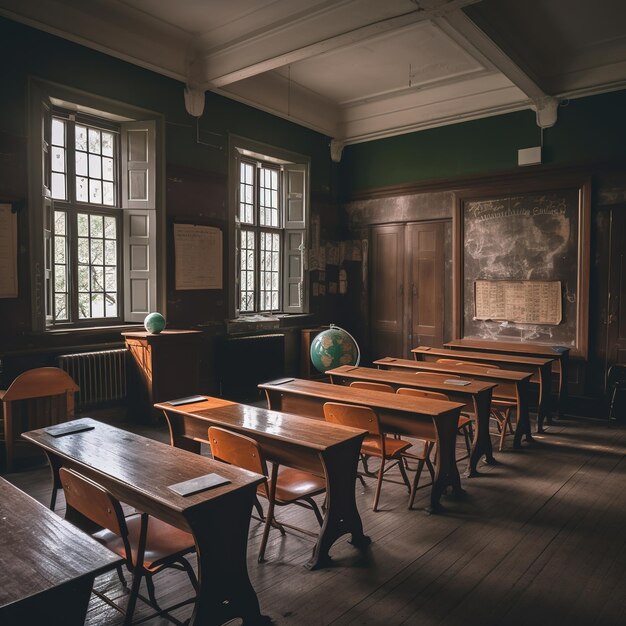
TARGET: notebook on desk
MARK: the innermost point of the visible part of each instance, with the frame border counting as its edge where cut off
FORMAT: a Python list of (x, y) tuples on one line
[(196, 485)]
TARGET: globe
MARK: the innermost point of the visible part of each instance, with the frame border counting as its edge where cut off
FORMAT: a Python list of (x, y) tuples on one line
[(154, 323), (334, 347)]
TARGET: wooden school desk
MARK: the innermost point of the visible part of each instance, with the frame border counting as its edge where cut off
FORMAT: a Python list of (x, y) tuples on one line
[(476, 396), (560, 354), (398, 414), (311, 445), (47, 565), (138, 471), (541, 369), (509, 385)]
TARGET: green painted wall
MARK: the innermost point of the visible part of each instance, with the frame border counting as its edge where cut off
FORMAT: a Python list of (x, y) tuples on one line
[(25, 51), (588, 129)]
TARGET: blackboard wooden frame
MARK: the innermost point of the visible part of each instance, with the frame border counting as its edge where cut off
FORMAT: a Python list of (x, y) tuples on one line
[(548, 183)]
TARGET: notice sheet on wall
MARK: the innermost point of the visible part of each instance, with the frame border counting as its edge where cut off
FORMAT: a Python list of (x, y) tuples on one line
[(8, 252), (519, 301), (198, 257)]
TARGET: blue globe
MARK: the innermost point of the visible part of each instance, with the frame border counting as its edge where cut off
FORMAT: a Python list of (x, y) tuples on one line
[(154, 323), (332, 348)]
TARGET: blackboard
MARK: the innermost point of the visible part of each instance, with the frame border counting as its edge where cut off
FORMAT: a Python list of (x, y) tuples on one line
[(526, 236)]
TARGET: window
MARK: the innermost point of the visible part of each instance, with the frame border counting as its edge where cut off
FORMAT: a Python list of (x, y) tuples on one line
[(83, 279), (270, 230), (94, 241)]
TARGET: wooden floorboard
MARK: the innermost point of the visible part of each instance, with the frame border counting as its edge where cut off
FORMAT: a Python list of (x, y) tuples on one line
[(538, 539)]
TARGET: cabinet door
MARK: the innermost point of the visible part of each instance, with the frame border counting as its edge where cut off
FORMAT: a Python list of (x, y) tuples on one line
[(386, 280), (425, 262)]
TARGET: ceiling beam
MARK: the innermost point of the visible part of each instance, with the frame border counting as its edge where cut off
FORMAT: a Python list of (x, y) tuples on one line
[(468, 35), (223, 67)]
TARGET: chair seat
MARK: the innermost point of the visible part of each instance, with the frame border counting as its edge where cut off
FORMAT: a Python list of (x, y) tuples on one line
[(162, 542), (393, 447), (464, 420), (294, 484), (503, 403)]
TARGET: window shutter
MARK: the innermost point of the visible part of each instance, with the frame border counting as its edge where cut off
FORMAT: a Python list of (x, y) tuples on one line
[(294, 277), (139, 219), (295, 186), (296, 195)]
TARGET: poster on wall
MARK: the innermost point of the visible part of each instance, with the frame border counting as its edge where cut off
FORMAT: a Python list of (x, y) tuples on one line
[(197, 257), (8, 252)]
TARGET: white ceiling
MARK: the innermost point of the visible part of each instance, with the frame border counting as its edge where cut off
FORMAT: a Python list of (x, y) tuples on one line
[(361, 69)]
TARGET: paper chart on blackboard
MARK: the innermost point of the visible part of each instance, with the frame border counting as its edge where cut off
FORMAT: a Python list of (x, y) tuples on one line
[(521, 302)]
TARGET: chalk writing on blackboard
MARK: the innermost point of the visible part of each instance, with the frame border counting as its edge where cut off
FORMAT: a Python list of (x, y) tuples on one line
[(522, 302)]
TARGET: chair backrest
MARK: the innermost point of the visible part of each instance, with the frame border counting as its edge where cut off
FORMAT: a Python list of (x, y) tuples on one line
[(92, 501), (40, 382), (421, 393), (437, 375), (236, 449), (352, 415), (476, 364), (372, 386)]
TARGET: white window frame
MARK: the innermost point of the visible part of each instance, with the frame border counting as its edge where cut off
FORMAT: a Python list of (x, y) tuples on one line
[(241, 148), (143, 229)]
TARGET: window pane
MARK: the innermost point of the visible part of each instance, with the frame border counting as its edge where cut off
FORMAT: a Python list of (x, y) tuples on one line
[(81, 137), (83, 250), (58, 159), (97, 278), (96, 225), (83, 278), (110, 279), (108, 197), (96, 251), (97, 305), (269, 273), (81, 163), (109, 227), (58, 132), (95, 166), (95, 191), (83, 225), (59, 222), (84, 308), (82, 193), (110, 304), (107, 169), (58, 186), (107, 144), (60, 306), (59, 250), (110, 252), (94, 140)]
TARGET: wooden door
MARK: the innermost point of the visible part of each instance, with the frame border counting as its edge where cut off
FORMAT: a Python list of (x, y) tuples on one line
[(616, 319), (386, 280), (425, 272)]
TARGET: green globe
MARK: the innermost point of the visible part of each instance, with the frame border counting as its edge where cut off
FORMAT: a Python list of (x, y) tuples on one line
[(154, 323), (334, 347)]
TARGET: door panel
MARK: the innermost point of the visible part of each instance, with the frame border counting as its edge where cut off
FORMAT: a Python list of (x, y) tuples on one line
[(425, 257), (387, 270)]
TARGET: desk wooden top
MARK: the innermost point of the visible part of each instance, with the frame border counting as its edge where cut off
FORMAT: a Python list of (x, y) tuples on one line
[(449, 368), (39, 551), (529, 349), (288, 428), (375, 399), (512, 359), (409, 379), (141, 466)]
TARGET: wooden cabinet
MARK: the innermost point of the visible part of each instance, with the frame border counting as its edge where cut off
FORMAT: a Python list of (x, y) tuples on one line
[(407, 287), (166, 366)]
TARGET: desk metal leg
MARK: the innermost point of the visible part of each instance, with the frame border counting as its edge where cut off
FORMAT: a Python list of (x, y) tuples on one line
[(482, 440), (342, 515)]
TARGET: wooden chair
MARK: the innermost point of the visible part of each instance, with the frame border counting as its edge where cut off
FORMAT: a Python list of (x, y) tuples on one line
[(500, 411), (372, 386), (289, 486), (147, 544), (35, 399), (375, 444)]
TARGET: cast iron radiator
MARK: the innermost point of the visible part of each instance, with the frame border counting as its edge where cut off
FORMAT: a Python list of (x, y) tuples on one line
[(101, 377)]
